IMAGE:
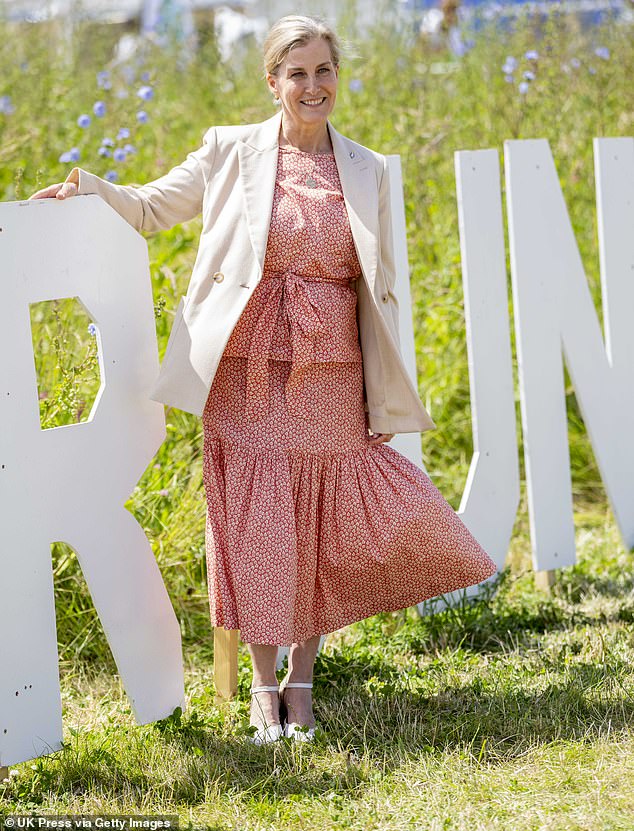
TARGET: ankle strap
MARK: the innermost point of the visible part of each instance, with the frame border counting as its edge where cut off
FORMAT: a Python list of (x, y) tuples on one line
[(265, 689), (304, 684)]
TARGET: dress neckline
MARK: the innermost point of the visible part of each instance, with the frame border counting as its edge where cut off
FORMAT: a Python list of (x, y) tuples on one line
[(290, 149)]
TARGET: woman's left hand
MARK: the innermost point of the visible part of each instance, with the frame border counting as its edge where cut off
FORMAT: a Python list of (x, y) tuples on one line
[(379, 438)]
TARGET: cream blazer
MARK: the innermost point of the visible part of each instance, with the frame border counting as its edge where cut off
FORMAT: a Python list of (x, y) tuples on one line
[(231, 179)]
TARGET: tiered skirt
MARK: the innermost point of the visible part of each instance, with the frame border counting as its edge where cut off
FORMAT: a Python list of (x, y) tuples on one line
[(310, 527)]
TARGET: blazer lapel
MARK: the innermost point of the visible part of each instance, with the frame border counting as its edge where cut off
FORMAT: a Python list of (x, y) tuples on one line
[(361, 199), (257, 158)]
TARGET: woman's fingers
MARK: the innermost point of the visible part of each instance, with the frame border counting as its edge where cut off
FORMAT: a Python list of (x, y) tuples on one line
[(380, 438), (61, 190)]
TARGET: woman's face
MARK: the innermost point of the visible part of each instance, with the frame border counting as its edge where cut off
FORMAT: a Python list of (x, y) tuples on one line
[(306, 83)]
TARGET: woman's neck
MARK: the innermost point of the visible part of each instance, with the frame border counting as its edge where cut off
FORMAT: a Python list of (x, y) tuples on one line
[(310, 140)]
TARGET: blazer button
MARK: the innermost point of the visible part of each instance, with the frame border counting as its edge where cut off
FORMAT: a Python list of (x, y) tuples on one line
[(384, 298), (219, 276)]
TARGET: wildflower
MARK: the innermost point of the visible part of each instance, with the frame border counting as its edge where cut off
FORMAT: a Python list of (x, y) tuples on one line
[(531, 55), (145, 76), (142, 117), (70, 156), (529, 76), (123, 133), (104, 152), (356, 85), (602, 52), (119, 154), (575, 63), (523, 88), (129, 148), (92, 329), (99, 109), (6, 107), (592, 70), (107, 142), (146, 93), (164, 492), (103, 79), (83, 121), (509, 79), (122, 93), (111, 176), (14, 773), (510, 65)]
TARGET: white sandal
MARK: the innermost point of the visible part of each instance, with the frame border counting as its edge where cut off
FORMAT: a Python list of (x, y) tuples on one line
[(293, 730), (271, 732)]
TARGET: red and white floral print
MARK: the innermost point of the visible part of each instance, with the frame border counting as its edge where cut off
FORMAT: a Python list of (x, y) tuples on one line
[(309, 527)]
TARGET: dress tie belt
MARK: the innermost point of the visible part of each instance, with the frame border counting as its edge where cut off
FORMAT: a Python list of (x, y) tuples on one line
[(288, 293)]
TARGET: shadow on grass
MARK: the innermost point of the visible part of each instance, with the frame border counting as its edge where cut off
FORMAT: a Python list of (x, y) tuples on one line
[(472, 680)]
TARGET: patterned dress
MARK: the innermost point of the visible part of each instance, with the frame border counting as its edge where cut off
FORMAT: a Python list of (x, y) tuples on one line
[(309, 527)]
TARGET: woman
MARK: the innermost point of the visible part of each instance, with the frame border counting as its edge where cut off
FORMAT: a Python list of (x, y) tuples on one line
[(287, 345)]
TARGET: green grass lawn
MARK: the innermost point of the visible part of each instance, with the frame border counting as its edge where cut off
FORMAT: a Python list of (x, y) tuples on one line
[(512, 712)]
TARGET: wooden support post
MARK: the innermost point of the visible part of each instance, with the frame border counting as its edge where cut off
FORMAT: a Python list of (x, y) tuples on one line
[(4, 774), (545, 580), (225, 663)]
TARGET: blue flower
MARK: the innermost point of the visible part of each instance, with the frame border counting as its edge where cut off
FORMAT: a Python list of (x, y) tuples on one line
[(529, 76), (123, 133), (71, 155), (6, 107), (103, 79), (146, 93), (122, 93), (523, 88), (575, 63), (531, 55), (111, 176), (145, 76), (142, 117), (510, 65), (602, 52), (592, 70), (356, 85), (104, 152), (509, 79), (129, 148), (107, 142), (83, 121), (92, 329), (119, 154), (99, 109)]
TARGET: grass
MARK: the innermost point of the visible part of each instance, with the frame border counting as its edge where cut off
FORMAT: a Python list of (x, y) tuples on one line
[(511, 712)]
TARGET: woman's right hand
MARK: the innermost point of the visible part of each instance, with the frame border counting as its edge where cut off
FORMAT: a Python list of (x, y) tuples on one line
[(62, 190)]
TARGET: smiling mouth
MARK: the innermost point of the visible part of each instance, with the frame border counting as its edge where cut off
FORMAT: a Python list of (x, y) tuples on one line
[(313, 102)]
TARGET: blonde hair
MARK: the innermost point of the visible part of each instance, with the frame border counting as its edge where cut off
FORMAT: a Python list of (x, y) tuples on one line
[(297, 30)]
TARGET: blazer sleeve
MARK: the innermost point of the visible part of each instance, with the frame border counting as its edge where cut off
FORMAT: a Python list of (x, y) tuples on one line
[(386, 246), (173, 198)]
